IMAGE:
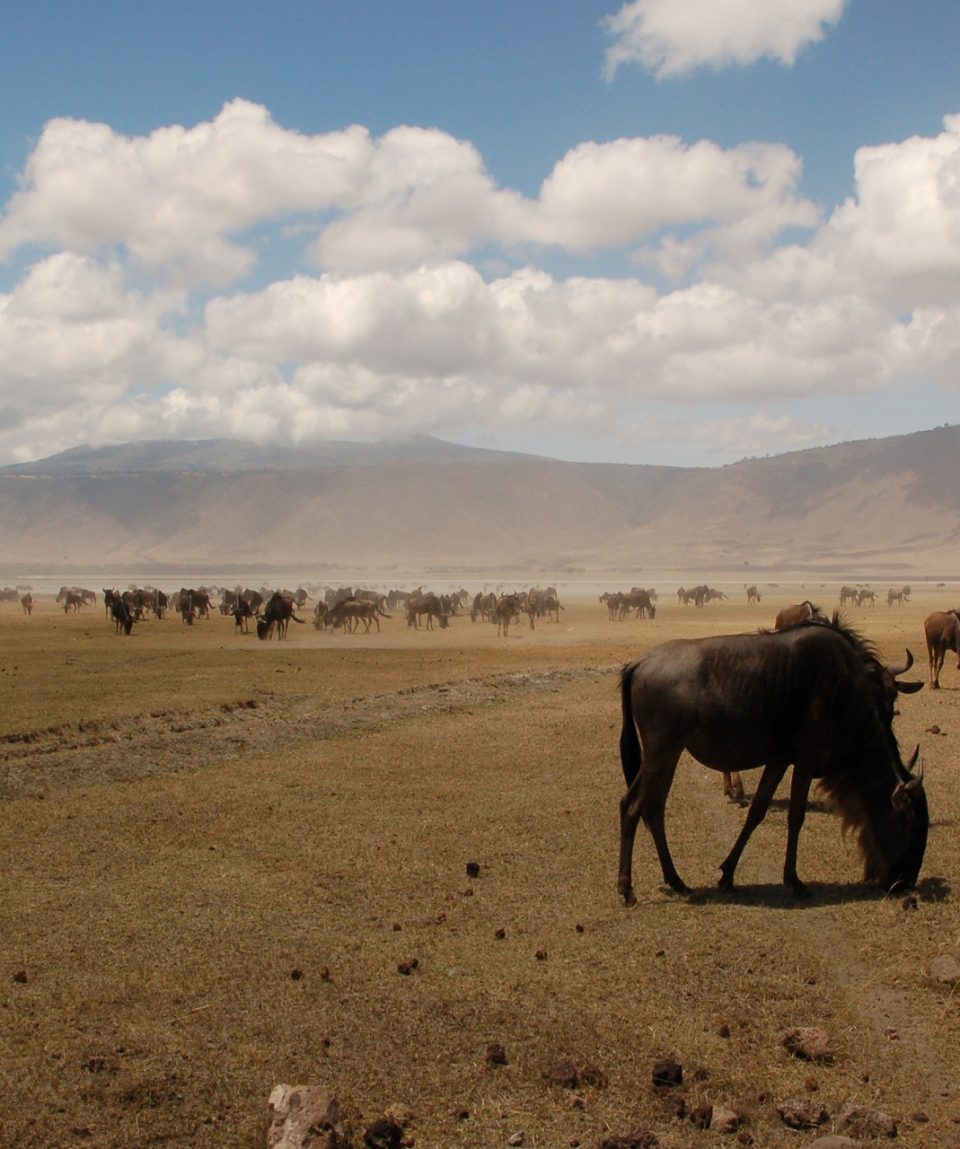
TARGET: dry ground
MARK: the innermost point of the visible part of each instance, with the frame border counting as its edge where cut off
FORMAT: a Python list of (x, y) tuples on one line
[(215, 854)]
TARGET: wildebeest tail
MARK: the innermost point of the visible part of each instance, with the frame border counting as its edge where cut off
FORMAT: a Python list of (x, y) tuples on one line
[(631, 754)]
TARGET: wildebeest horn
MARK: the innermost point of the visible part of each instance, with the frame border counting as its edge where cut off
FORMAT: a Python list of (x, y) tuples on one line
[(905, 772), (896, 670)]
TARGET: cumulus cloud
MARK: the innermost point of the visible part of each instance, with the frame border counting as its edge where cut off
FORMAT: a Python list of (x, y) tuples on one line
[(130, 323), (175, 199), (674, 37)]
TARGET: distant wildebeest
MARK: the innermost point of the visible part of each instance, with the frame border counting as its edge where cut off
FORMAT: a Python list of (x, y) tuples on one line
[(640, 600), (506, 611), (242, 613), (120, 612), (895, 596), (814, 696), (276, 615), (72, 602), (942, 632), (753, 596), (849, 594), (26, 603), (866, 595), (483, 606), (798, 612), (426, 604)]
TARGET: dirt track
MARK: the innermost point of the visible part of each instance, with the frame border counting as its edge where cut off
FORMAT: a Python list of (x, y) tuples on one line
[(217, 853)]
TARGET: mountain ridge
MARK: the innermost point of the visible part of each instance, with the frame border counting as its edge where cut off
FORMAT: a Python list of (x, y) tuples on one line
[(423, 503)]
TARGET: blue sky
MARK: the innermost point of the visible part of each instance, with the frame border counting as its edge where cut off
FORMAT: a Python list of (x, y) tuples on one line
[(663, 231)]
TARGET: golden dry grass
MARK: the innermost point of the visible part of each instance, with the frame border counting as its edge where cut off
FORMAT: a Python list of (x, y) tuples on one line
[(215, 854)]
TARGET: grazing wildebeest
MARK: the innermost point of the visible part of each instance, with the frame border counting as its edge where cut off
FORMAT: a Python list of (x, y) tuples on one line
[(72, 602), (798, 612), (849, 594), (119, 607), (894, 596), (357, 610), (641, 599), (483, 606), (814, 696), (753, 596), (426, 604), (276, 614), (867, 596), (942, 632)]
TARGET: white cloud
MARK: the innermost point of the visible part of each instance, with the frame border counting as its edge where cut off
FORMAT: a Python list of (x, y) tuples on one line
[(673, 37), (174, 199), (110, 335)]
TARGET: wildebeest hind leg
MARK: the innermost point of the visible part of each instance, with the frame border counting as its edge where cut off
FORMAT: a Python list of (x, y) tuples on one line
[(647, 798), (799, 791), (769, 781)]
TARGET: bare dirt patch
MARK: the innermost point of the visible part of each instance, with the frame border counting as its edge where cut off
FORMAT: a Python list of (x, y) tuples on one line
[(226, 864)]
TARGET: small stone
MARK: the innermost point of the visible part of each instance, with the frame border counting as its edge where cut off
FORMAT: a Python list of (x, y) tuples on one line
[(516, 1138), (724, 1120), (563, 1073), (667, 1074), (541, 955), (724, 1030), (638, 1139), (809, 1044), (862, 1122), (384, 1133), (500, 934), (702, 1116), (495, 1054), (802, 1113), (473, 869), (20, 977), (945, 970), (298, 1112)]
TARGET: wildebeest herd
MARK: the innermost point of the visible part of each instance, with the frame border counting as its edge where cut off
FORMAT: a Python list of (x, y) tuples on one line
[(810, 692)]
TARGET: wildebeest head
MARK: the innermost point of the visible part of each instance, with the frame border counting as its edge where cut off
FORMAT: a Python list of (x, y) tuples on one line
[(908, 829)]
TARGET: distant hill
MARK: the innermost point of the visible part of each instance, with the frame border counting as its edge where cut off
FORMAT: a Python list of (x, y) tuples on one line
[(860, 508)]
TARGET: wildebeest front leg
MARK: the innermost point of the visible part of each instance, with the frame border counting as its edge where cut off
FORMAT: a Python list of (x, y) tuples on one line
[(769, 781)]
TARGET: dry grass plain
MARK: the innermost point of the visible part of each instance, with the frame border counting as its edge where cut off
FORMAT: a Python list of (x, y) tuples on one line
[(215, 853)]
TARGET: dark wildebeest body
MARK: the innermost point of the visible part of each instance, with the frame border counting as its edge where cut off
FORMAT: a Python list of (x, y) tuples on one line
[(942, 632), (814, 696), (26, 602)]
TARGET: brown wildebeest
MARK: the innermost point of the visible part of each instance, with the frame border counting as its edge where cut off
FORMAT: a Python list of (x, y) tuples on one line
[(506, 610), (942, 632), (867, 596), (849, 594), (894, 596), (798, 612), (641, 600), (277, 615), (753, 596), (426, 604), (814, 696), (26, 602), (242, 613), (72, 601), (350, 612)]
